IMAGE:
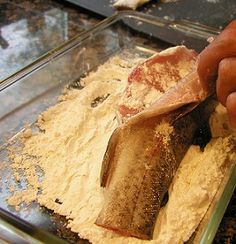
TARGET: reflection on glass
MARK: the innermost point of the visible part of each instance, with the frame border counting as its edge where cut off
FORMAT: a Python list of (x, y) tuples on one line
[(27, 39)]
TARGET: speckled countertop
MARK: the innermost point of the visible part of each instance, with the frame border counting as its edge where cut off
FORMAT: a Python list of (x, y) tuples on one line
[(29, 29)]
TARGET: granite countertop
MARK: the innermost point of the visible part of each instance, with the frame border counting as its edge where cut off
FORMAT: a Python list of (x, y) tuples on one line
[(29, 29)]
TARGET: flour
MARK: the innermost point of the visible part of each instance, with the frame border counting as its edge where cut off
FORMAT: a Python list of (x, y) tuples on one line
[(149, 80), (69, 149), (142, 96), (129, 4), (219, 121), (192, 190), (212, 1), (164, 130)]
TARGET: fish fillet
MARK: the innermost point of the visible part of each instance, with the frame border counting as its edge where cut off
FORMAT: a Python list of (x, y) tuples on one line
[(144, 153)]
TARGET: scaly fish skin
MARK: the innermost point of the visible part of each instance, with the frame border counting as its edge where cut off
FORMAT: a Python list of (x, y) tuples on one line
[(145, 163), (144, 153)]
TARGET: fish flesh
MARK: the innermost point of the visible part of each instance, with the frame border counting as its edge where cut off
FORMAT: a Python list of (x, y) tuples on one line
[(145, 151), (160, 72)]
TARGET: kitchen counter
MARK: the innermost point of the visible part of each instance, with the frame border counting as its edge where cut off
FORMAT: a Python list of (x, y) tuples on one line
[(29, 29)]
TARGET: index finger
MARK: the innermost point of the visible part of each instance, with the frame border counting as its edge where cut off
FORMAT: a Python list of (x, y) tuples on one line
[(223, 46)]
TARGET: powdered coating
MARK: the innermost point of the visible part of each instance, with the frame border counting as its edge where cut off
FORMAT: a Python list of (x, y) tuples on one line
[(70, 148)]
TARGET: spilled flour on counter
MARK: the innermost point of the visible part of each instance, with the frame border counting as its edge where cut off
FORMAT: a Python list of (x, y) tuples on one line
[(68, 152)]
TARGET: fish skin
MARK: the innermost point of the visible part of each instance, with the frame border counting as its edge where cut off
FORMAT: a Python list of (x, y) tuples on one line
[(139, 163), (139, 181)]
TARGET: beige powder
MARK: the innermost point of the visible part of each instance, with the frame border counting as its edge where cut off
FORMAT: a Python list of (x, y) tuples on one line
[(70, 148), (193, 188), (219, 121), (164, 130), (129, 4), (143, 95)]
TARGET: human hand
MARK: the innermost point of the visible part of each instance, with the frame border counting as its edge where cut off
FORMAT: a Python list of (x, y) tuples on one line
[(217, 63)]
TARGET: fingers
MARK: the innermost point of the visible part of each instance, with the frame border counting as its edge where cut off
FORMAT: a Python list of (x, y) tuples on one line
[(226, 81), (226, 87), (218, 62), (231, 108), (224, 46)]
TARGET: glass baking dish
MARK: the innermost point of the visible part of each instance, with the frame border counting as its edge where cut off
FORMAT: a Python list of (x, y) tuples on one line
[(30, 91)]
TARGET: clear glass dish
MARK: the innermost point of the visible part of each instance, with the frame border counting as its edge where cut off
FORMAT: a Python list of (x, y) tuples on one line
[(30, 91)]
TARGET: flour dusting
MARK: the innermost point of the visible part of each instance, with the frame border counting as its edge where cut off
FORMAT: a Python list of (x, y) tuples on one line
[(69, 148)]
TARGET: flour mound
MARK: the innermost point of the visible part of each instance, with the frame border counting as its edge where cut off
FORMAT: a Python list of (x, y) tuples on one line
[(68, 149)]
